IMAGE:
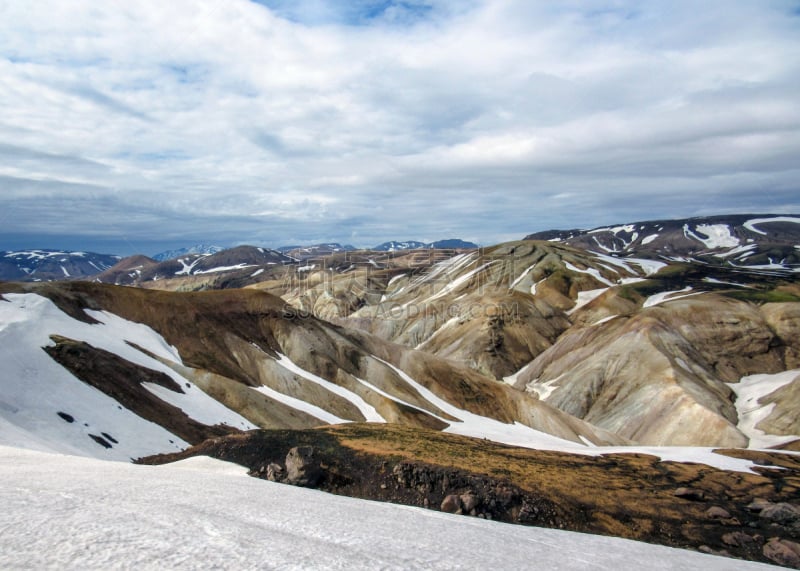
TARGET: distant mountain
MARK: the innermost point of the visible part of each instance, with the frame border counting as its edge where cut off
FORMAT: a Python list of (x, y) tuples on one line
[(196, 249), (247, 259), (756, 242), (394, 246), (451, 244), (49, 265), (315, 250)]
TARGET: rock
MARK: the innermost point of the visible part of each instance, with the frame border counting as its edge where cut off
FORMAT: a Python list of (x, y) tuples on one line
[(758, 504), (451, 504), (781, 513), (783, 552), (691, 494), (738, 539), (275, 472), (469, 502), (717, 512), (301, 467)]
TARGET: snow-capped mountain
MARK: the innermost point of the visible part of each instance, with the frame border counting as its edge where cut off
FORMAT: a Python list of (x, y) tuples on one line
[(394, 246), (204, 249), (756, 242), (315, 250), (245, 260), (48, 265), (449, 244)]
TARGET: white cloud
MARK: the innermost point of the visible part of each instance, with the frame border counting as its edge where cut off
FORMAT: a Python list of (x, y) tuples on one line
[(388, 120)]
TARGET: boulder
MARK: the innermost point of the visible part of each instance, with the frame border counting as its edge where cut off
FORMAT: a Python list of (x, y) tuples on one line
[(451, 504), (781, 513), (302, 469), (783, 552), (717, 512)]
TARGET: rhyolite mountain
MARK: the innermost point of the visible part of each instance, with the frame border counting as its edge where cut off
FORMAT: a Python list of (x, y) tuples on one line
[(47, 265), (194, 268)]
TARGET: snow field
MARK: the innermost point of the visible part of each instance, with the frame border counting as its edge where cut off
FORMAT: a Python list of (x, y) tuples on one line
[(77, 513)]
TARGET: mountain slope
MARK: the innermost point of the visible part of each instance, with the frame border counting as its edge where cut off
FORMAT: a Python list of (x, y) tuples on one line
[(196, 271), (204, 249), (236, 359), (766, 242), (47, 265)]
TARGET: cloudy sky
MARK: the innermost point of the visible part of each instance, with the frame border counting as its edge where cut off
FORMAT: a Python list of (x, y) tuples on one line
[(136, 126)]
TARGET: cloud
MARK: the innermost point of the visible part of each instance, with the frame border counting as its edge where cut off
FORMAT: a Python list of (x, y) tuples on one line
[(238, 121)]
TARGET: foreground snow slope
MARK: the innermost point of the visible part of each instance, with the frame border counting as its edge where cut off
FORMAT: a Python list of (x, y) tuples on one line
[(77, 513)]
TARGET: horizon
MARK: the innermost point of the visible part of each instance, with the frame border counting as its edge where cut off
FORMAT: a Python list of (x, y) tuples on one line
[(143, 126), (207, 243)]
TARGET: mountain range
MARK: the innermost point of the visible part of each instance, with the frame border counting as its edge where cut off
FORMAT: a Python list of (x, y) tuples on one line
[(638, 380)]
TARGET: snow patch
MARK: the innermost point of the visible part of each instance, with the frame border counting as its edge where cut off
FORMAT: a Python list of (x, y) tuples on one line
[(719, 235), (748, 392), (751, 224), (659, 298), (363, 406)]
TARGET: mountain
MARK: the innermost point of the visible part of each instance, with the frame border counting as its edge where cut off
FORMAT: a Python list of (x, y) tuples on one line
[(47, 265), (196, 271), (658, 352), (315, 250), (196, 249), (767, 242), (394, 246), (451, 244), (123, 372)]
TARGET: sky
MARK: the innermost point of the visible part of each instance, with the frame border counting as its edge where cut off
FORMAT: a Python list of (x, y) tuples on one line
[(140, 126)]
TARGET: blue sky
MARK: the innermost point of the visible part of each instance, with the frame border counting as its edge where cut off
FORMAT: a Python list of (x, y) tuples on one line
[(140, 126)]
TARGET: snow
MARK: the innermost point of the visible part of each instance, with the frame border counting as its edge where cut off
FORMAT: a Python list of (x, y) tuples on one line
[(544, 390), (257, 272), (649, 267), (647, 239), (66, 273), (300, 405), (585, 297), (241, 266), (522, 276), (64, 512), (716, 281), (658, 298), (363, 406), (307, 268), (751, 224), (743, 249), (719, 235), (748, 392), (628, 228), (535, 285), (186, 270), (591, 271), (35, 387), (604, 320), (470, 424)]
